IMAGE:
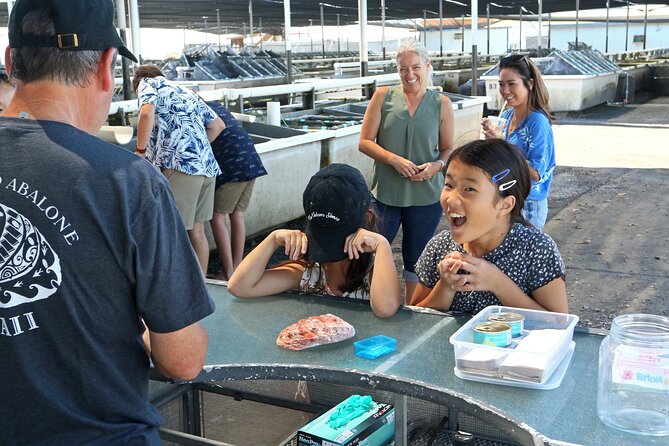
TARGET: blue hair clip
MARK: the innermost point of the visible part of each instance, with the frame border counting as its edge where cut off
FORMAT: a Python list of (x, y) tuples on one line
[(500, 176)]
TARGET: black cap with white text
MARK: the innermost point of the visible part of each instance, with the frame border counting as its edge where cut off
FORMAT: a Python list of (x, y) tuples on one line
[(335, 202)]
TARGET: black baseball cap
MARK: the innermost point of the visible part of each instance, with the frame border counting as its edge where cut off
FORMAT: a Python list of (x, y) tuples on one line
[(79, 24), (335, 202)]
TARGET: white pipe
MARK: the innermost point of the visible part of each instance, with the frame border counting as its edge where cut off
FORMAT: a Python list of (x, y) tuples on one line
[(120, 14), (286, 23), (251, 20), (441, 28), (316, 86), (134, 29), (218, 27), (287, 31), (349, 66), (115, 134), (362, 17), (383, 27), (274, 113), (540, 5), (127, 106), (475, 21), (232, 94)]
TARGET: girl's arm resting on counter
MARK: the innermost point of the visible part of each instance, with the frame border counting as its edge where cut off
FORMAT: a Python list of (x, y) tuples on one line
[(440, 297), (251, 279)]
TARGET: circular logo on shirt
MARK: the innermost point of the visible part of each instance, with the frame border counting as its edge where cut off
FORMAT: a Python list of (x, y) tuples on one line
[(29, 267)]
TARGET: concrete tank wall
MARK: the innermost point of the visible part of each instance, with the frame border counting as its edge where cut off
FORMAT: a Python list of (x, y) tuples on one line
[(567, 93)]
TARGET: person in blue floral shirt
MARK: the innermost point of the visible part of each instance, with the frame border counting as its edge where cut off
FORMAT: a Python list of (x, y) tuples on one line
[(528, 128), (174, 132), (240, 165)]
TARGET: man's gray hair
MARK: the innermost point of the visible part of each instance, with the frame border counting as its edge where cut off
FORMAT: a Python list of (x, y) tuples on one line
[(413, 46), (30, 64)]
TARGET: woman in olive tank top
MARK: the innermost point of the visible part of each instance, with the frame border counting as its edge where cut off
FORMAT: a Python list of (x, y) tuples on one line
[(408, 131)]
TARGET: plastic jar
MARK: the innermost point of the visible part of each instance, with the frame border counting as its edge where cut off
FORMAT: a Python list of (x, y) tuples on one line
[(633, 385)]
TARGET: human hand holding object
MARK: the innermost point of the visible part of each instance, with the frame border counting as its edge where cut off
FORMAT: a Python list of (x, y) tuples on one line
[(483, 275)]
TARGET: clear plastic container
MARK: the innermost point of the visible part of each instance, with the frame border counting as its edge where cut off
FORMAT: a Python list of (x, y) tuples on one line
[(533, 363), (633, 385)]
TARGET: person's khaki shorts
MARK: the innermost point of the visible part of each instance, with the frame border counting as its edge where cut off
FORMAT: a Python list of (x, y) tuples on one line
[(194, 196), (233, 197)]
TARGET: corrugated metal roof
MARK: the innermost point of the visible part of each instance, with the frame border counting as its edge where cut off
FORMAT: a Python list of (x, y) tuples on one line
[(235, 13)]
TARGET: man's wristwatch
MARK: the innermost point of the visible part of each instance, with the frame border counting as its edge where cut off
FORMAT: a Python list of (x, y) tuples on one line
[(443, 164)]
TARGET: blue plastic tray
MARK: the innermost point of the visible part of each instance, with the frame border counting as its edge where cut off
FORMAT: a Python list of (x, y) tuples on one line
[(374, 347)]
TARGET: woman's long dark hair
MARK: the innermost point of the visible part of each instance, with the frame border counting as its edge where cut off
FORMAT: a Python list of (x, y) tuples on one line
[(538, 96), (494, 157)]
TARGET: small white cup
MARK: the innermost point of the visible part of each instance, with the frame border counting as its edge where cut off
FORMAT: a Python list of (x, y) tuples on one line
[(497, 125)]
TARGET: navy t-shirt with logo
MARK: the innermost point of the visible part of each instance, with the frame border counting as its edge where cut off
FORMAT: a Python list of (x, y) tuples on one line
[(90, 245)]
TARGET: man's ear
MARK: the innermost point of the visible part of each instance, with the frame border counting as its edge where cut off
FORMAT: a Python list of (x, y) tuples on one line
[(506, 204), (8, 60), (105, 70)]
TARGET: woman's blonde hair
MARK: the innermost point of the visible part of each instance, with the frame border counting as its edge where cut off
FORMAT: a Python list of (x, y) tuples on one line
[(412, 46)]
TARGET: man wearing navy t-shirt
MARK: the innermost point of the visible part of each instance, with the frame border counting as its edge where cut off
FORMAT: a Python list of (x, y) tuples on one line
[(92, 248)]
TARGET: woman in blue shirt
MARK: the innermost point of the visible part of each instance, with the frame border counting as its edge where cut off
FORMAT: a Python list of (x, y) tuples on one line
[(529, 128)]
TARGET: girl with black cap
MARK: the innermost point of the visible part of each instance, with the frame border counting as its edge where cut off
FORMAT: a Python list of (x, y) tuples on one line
[(336, 255)]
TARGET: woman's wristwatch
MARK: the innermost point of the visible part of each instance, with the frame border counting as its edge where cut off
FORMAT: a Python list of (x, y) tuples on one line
[(143, 151)]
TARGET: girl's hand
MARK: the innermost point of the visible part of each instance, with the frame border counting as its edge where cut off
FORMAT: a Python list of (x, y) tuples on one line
[(360, 242), (448, 271), (404, 167), (294, 241), (483, 275)]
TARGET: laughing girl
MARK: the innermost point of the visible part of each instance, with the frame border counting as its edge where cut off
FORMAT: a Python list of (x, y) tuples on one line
[(491, 255)]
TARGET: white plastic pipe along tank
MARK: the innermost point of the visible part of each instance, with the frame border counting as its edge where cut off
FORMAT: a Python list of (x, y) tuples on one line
[(274, 113)]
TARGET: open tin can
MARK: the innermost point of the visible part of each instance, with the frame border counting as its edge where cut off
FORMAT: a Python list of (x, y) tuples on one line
[(497, 334), (516, 320)]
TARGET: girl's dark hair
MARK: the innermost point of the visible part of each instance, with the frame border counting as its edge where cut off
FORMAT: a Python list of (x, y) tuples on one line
[(359, 268), (144, 71), (494, 157), (538, 96)]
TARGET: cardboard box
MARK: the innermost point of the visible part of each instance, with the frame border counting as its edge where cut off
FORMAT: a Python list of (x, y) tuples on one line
[(375, 427)]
